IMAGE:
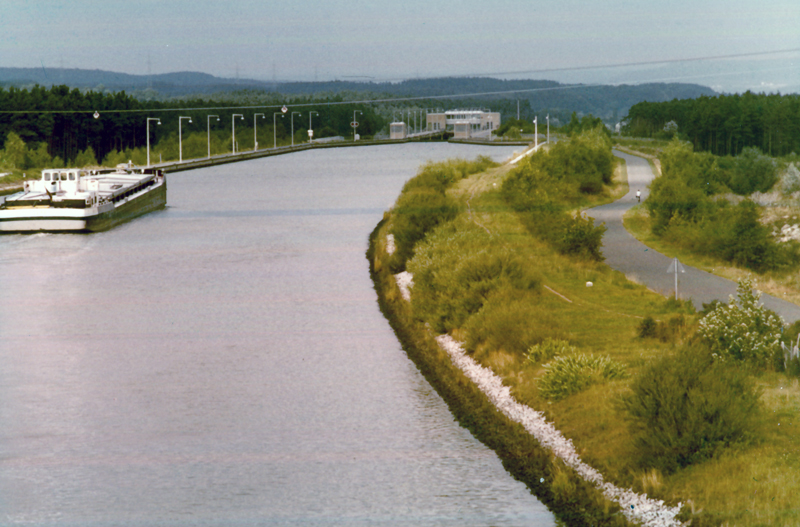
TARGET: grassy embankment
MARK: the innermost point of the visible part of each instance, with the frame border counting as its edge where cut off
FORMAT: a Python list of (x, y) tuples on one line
[(541, 293)]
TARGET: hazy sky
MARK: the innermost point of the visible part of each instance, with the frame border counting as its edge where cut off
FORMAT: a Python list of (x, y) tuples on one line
[(393, 40)]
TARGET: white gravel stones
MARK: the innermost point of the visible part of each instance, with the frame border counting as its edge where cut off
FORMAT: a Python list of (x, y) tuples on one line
[(636, 507), (405, 281), (790, 232)]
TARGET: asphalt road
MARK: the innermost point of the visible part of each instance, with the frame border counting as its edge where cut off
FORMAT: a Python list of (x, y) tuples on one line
[(646, 266)]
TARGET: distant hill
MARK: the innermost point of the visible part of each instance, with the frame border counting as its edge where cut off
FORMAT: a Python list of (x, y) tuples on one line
[(611, 103)]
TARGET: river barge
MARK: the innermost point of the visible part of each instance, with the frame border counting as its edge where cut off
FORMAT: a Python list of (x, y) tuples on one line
[(77, 200)]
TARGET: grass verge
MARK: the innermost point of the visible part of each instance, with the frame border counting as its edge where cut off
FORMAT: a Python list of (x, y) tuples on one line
[(746, 484)]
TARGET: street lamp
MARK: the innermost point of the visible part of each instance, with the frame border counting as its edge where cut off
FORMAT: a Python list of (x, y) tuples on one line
[(148, 136), (180, 138), (310, 128), (299, 113), (548, 129), (233, 129), (255, 136), (355, 123), (209, 132), (275, 129)]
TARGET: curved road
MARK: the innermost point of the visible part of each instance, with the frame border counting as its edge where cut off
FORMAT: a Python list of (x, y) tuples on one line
[(625, 253)]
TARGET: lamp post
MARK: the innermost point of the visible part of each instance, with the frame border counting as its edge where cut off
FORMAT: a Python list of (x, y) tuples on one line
[(275, 129), (535, 133), (209, 132), (310, 128), (233, 129), (298, 113), (255, 136), (355, 123), (548, 129), (148, 136), (180, 138)]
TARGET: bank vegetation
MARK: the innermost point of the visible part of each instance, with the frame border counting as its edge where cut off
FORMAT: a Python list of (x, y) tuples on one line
[(696, 409)]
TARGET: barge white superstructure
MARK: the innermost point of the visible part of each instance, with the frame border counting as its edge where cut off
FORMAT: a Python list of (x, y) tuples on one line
[(76, 200)]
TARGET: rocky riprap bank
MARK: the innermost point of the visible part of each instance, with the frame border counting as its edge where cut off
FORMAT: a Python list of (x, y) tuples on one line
[(637, 508)]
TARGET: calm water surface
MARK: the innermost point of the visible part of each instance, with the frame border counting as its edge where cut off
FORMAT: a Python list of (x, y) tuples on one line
[(224, 362)]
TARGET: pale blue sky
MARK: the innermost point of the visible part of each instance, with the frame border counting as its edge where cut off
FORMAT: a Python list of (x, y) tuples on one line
[(389, 40)]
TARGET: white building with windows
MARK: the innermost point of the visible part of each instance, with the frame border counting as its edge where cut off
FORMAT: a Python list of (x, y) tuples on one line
[(398, 130), (465, 123)]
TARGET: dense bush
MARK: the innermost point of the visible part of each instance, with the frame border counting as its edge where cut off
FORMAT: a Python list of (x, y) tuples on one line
[(683, 408), (512, 320), (743, 330), (545, 186), (455, 269), (424, 204), (416, 213), (580, 237), (684, 211), (750, 171), (569, 374)]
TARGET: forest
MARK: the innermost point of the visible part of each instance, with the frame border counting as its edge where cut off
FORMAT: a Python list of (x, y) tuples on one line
[(69, 122), (723, 125)]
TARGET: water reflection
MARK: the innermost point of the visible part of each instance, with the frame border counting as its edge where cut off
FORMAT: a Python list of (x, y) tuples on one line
[(223, 362)]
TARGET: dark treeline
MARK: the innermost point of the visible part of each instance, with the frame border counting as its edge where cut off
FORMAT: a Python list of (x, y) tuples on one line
[(723, 125), (65, 120)]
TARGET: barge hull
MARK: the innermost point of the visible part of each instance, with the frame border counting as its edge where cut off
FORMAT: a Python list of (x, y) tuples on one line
[(153, 200)]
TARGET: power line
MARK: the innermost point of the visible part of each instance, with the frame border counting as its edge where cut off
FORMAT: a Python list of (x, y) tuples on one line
[(632, 64), (457, 95)]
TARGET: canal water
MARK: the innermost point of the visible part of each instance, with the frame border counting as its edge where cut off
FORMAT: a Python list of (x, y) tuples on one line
[(223, 362)]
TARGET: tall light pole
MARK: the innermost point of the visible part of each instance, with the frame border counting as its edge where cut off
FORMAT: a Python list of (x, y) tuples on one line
[(548, 129), (209, 132), (355, 123), (310, 128), (148, 136), (180, 138), (255, 136), (535, 132), (233, 129), (275, 129), (298, 113)]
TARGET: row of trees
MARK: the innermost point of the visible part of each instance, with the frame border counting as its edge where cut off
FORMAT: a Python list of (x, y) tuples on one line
[(723, 125), (65, 121)]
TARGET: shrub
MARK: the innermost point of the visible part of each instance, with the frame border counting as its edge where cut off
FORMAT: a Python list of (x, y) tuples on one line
[(753, 172), (569, 374), (549, 349), (743, 330), (648, 328), (423, 204), (511, 320), (683, 409), (455, 270), (417, 212), (582, 238), (790, 180), (738, 236)]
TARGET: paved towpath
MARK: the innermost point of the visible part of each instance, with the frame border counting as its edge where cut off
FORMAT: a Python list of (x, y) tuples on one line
[(626, 254)]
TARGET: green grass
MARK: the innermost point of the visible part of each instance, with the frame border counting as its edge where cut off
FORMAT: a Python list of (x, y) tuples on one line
[(785, 286), (604, 320)]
